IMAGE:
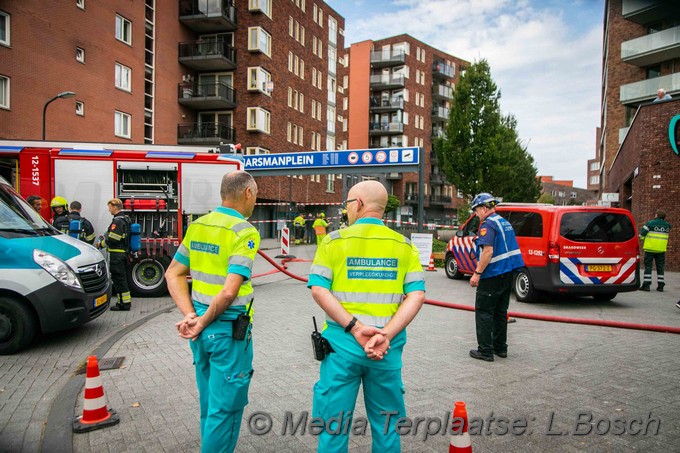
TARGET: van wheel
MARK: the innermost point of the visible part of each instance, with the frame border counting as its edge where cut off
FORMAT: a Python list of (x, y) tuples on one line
[(451, 268), (606, 297), (147, 276), (524, 288), (17, 325)]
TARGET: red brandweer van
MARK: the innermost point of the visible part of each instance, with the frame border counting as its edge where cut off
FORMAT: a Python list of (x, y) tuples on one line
[(577, 250)]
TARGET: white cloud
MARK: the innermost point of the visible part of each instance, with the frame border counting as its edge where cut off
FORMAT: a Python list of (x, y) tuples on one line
[(546, 63)]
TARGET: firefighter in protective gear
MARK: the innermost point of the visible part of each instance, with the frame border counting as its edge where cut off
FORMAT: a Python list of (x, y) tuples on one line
[(219, 250), (299, 225), (361, 325), (117, 239), (59, 207), (655, 235), (320, 226), (343, 218), (500, 256), (86, 233)]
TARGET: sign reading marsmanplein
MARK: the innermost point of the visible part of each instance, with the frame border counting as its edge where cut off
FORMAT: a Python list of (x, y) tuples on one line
[(351, 161)]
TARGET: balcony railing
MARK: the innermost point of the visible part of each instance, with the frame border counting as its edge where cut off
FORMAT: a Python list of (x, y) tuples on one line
[(645, 12), (380, 59), (645, 90), (437, 178), (207, 55), (207, 95), (437, 132), (442, 70), (205, 133), (653, 48), (442, 91), (204, 16), (440, 199), (440, 113), (385, 104), (394, 144), (386, 128), (411, 197), (380, 81)]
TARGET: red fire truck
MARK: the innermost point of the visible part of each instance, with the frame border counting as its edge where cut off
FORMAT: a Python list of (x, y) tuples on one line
[(163, 188)]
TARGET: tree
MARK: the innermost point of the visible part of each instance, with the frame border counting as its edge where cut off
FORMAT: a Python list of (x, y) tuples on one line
[(546, 198), (481, 150), (392, 203)]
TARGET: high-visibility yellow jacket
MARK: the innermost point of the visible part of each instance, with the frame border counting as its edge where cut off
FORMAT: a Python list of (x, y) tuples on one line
[(655, 233), (215, 245)]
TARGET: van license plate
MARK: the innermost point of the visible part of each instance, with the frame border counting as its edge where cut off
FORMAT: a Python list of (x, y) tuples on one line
[(599, 268), (99, 301)]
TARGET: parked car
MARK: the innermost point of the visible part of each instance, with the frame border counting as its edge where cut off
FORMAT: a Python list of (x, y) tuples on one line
[(49, 281), (575, 250)]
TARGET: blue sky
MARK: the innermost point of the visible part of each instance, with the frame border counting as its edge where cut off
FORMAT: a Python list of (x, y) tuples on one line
[(545, 57)]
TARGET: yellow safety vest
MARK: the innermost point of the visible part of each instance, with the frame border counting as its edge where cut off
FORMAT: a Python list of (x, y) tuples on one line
[(215, 245)]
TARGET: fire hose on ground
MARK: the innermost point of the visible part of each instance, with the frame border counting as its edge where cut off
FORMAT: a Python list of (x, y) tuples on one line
[(536, 317)]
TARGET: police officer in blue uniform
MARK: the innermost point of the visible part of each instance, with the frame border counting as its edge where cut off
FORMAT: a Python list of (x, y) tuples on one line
[(500, 256)]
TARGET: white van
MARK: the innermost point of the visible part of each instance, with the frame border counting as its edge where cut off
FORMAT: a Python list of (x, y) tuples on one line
[(49, 281)]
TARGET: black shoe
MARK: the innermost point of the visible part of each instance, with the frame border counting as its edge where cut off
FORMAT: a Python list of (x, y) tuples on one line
[(644, 288), (475, 354), (678, 305), (502, 355), (120, 307), (660, 289)]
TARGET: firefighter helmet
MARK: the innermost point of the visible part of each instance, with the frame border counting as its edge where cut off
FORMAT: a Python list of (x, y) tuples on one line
[(59, 201), (483, 199)]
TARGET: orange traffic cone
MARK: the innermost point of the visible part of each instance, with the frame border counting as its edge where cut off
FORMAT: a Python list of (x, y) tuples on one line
[(95, 414), (460, 440), (430, 267)]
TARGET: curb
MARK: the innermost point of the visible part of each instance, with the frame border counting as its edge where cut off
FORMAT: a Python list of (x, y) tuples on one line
[(57, 434)]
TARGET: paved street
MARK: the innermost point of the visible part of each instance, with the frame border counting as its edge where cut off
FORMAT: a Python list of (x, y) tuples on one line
[(554, 372)]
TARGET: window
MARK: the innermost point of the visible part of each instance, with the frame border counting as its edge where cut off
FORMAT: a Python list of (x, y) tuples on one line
[(314, 75), (259, 41), (80, 108), (290, 26), (258, 119), (258, 79), (256, 150), (123, 30), (595, 179), (4, 92), (123, 77), (122, 125), (80, 4), (525, 224), (290, 61), (330, 183), (263, 6), (596, 227), (594, 166), (573, 195), (4, 28), (80, 55), (301, 104)]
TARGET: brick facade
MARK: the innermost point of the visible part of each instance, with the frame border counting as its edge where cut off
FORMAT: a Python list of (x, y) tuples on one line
[(645, 172)]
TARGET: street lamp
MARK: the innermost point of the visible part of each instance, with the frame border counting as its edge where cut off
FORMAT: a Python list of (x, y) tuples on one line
[(63, 95)]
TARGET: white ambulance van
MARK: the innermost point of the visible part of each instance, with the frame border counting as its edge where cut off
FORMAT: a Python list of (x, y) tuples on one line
[(49, 281)]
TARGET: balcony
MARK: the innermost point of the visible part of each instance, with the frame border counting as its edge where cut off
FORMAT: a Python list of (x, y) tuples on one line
[(374, 144), (207, 55), (442, 92), (437, 179), (645, 90), (440, 114), (205, 134), (381, 105), (646, 12), (393, 176), (653, 48), (204, 16), (443, 71), (433, 159), (206, 96), (385, 128), (437, 132), (440, 199), (386, 82), (385, 59), (411, 198)]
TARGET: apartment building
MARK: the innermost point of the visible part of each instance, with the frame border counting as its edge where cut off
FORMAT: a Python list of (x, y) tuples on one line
[(401, 91), (187, 72), (641, 53)]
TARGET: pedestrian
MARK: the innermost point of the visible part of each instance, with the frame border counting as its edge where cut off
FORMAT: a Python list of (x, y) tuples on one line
[(85, 230), (362, 325), (655, 236), (299, 227), (219, 250), (35, 201), (344, 221), (500, 256), (59, 207), (117, 240), (309, 227), (661, 96), (320, 226)]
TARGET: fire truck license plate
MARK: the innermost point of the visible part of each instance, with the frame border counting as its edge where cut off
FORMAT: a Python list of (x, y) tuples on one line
[(99, 301), (599, 268)]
